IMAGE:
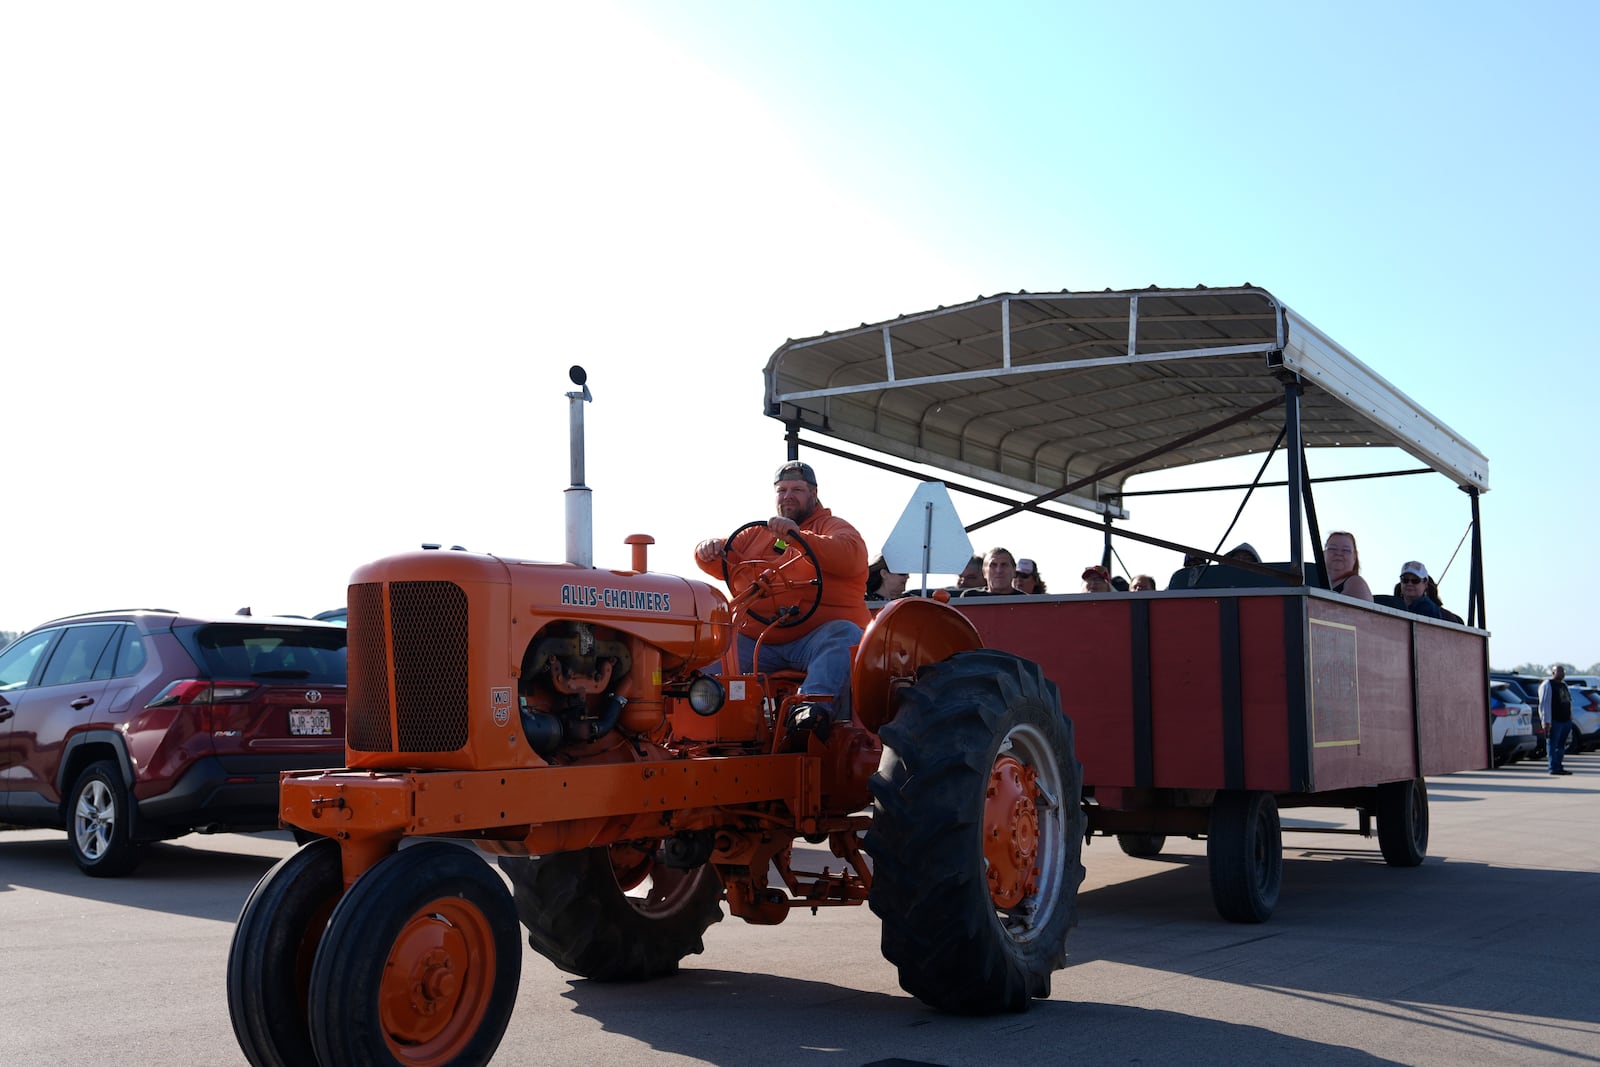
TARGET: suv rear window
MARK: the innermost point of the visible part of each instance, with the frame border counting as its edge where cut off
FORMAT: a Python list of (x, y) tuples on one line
[(288, 653)]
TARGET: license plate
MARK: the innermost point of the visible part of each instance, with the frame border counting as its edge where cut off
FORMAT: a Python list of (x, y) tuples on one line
[(310, 722), (1524, 724)]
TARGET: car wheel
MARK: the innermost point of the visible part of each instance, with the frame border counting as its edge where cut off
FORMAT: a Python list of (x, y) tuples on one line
[(99, 818)]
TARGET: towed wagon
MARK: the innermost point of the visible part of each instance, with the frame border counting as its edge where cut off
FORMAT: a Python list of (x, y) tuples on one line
[(1239, 689)]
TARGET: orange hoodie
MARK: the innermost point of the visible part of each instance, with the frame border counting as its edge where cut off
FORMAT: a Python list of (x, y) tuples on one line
[(843, 557)]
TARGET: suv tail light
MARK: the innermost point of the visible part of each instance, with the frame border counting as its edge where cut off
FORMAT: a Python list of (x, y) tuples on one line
[(204, 696), (200, 691)]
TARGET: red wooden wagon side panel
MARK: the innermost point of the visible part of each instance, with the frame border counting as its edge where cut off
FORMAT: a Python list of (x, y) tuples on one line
[(1277, 691), (1451, 672)]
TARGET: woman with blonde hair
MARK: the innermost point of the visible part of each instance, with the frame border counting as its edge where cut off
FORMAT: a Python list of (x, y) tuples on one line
[(1343, 560)]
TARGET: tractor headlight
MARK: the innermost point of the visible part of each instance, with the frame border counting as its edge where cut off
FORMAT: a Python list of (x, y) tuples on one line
[(706, 695)]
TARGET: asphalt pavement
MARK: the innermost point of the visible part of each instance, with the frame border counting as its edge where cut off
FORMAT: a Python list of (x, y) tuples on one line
[(1485, 954)]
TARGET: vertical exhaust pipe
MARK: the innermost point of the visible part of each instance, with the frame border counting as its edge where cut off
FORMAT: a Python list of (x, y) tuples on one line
[(580, 501)]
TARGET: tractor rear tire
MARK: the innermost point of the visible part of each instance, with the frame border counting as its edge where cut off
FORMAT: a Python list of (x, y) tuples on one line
[(1403, 822), (582, 919), (419, 965), (269, 961), (1244, 855), (977, 834), (1142, 846)]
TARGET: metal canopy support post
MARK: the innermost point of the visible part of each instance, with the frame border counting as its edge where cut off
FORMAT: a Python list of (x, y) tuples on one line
[(1477, 614), (1296, 466), (1316, 528)]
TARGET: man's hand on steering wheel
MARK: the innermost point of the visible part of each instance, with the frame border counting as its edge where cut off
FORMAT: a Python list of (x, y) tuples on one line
[(773, 576), (782, 527)]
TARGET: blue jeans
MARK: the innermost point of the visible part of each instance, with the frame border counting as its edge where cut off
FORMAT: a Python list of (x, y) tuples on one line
[(1555, 742), (824, 654)]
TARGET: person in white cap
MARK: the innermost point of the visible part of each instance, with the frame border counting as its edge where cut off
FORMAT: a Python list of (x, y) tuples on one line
[(1413, 589), (1028, 579)]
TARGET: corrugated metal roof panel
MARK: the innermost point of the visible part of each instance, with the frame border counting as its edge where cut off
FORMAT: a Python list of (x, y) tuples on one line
[(1034, 391)]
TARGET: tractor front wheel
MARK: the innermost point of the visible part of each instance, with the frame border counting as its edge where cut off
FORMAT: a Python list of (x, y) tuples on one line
[(419, 964), (616, 914), (977, 834), (274, 943)]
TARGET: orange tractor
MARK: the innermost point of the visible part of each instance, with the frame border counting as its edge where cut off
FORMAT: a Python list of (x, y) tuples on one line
[(568, 719)]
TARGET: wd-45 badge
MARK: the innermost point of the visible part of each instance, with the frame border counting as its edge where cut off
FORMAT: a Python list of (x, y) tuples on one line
[(500, 700)]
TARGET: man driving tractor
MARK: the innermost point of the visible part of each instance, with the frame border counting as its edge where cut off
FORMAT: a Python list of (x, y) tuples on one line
[(819, 643)]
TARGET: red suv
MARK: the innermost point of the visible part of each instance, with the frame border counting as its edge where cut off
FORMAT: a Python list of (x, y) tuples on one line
[(123, 727)]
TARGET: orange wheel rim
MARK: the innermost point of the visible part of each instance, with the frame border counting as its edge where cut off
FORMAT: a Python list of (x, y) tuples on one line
[(437, 983), (1011, 832), (631, 865)]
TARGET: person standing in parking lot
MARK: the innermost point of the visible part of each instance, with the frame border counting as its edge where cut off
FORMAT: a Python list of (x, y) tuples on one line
[(1555, 707)]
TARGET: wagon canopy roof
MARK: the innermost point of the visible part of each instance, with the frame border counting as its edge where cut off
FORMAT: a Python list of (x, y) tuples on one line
[(1034, 391)]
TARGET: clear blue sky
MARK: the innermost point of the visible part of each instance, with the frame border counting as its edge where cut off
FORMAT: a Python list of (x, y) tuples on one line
[(288, 288)]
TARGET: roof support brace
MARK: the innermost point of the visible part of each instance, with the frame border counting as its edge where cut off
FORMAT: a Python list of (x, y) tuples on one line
[(1477, 614), (1296, 468)]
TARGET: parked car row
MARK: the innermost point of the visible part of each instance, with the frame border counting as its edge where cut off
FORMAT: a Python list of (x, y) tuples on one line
[(1510, 724), (126, 727), (1508, 693)]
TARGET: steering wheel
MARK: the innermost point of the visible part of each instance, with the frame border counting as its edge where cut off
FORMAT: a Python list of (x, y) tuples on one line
[(774, 581)]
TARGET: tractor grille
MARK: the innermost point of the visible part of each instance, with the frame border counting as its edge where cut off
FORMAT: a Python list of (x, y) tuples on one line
[(367, 724), (428, 624)]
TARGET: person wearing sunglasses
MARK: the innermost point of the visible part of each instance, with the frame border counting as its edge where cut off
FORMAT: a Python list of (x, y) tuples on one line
[(1413, 589), (1028, 579)]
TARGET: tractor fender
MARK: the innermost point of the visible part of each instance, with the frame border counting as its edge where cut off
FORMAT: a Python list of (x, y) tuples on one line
[(904, 636)]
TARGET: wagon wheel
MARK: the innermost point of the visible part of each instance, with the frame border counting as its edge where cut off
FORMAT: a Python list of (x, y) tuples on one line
[(1142, 846), (782, 580), (269, 962), (613, 914), (1403, 822), (419, 964), (1244, 854), (978, 794)]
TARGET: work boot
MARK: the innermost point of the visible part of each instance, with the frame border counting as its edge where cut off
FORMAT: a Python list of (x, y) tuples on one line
[(804, 720)]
